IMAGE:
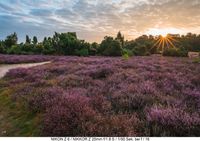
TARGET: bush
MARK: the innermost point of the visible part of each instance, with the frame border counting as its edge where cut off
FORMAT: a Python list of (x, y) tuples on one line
[(173, 122), (68, 117), (175, 52), (127, 52), (128, 103), (114, 125), (38, 48), (141, 50), (82, 52), (41, 99), (93, 48), (196, 60), (2, 47), (14, 50), (110, 47), (17, 73), (125, 56), (113, 50)]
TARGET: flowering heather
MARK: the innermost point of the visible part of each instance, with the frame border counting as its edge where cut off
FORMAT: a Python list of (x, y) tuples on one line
[(105, 96), (173, 121), (68, 116), (17, 59), (114, 125)]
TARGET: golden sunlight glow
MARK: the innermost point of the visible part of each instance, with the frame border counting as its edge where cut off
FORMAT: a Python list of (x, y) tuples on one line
[(165, 41), (164, 35), (163, 31), (164, 38)]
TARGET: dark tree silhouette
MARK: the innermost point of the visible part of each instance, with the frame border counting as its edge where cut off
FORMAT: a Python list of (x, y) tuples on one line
[(35, 40), (11, 40), (28, 40), (120, 37)]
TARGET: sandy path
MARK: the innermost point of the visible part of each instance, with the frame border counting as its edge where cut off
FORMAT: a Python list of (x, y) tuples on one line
[(4, 68)]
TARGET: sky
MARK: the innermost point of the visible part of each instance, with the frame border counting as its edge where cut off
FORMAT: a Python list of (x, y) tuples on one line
[(94, 19)]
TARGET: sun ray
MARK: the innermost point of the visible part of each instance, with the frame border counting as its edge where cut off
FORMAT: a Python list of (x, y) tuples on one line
[(171, 43), (164, 42), (158, 41), (170, 37), (167, 43), (159, 46)]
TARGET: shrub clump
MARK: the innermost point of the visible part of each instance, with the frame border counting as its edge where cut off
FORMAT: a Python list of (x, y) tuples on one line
[(173, 122), (114, 125), (175, 52), (68, 117)]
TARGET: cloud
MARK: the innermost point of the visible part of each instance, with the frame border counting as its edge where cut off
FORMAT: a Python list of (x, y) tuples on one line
[(93, 19), (5, 7), (41, 12)]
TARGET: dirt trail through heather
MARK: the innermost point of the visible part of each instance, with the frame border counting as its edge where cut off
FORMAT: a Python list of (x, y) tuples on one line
[(4, 68)]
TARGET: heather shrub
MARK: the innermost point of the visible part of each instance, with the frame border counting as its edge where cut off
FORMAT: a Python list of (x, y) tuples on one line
[(191, 99), (37, 75), (195, 93), (42, 98), (173, 122), (16, 81), (17, 73), (127, 103), (95, 96), (36, 83), (96, 88), (195, 80), (72, 80), (16, 59), (119, 77), (100, 104), (20, 94), (114, 125), (169, 100), (147, 87), (77, 90), (101, 73), (58, 69), (35, 98), (68, 116)]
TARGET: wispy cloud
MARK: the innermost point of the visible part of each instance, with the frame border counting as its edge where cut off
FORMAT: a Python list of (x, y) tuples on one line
[(93, 19)]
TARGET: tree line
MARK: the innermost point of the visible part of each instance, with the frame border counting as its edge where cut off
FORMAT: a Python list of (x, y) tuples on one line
[(69, 44)]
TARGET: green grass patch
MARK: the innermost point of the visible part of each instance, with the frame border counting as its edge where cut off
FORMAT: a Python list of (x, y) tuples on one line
[(196, 60), (16, 120)]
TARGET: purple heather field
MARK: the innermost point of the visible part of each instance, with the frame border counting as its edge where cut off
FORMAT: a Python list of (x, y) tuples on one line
[(16, 59), (108, 96)]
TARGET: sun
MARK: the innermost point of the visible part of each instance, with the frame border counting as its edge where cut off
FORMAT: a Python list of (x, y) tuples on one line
[(163, 31), (164, 37), (165, 41)]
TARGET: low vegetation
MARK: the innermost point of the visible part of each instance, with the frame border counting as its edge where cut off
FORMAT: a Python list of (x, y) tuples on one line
[(102, 96), (18, 59)]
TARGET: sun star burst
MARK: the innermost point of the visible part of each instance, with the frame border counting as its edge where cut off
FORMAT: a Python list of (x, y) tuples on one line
[(165, 41)]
